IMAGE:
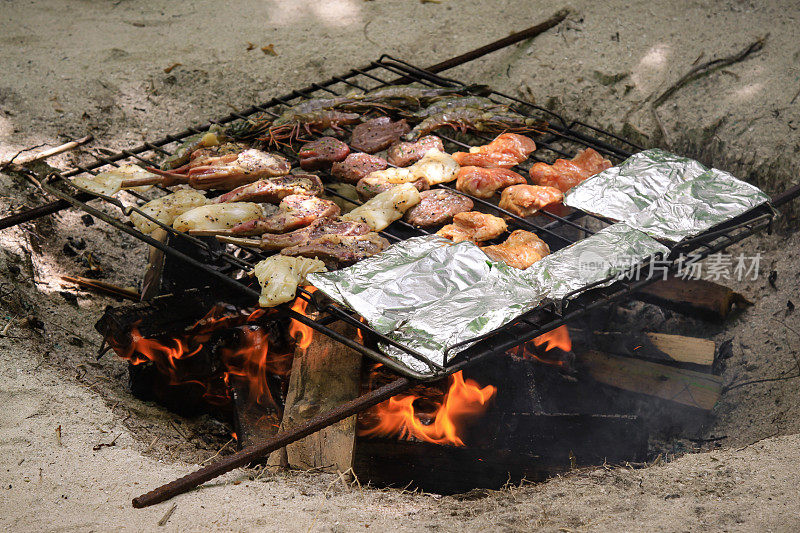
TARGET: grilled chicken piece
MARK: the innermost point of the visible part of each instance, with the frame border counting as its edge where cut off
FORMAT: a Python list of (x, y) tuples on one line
[(405, 153), (295, 211), (167, 208), (484, 182), (520, 250), (473, 226), (377, 134), (315, 230), (340, 250), (437, 207), (507, 150), (564, 174), (525, 200), (280, 275), (357, 166), (215, 217), (436, 167), (224, 167), (372, 186), (386, 207), (274, 190), (322, 153)]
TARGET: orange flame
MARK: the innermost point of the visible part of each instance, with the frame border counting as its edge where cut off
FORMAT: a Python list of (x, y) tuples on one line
[(299, 331), (250, 360), (557, 338), (397, 415)]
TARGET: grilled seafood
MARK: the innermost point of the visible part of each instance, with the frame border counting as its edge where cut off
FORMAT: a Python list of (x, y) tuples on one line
[(473, 226), (386, 207), (340, 250), (405, 153), (274, 190), (298, 237), (280, 275), (215, 217), (507, 150), (377, 134), (112, 181), (413, 95), (564, 174), (213, 137), (295, 211), (374, 185), (520, 250), (435, 167), (225, 167), (470, 118), (167, 208), (291, 125), (437, 207), (525, 200), (357, 166), (445, 104), (484, 182), (322, 153)]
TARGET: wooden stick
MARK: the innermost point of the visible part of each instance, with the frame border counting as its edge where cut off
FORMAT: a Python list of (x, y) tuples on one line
[(103, 287), (694, 297), (240, 241), (44, 154)]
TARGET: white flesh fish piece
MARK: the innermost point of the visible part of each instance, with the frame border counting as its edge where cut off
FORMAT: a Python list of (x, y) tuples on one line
[(386, 207), (167, 208), (280, 275), (211, 217), (110, 181)]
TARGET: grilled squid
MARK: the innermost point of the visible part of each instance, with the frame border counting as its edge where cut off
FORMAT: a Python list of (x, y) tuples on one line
[(167, 208), (280, 275), (212, 217), (112, 181), (435, 167), (386, 207)]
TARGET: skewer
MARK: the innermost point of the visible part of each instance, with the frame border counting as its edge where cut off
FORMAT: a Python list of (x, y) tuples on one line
[(240, 241), (211, 232)]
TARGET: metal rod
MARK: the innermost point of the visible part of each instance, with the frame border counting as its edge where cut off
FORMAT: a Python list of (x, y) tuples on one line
[(257, 451)]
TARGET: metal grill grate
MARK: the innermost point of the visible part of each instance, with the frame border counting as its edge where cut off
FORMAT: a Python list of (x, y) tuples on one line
[(561, 139)]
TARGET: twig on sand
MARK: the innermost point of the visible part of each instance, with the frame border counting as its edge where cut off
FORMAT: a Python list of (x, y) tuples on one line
[(709, 67), (167, 515), (45, 153), (218, 452)]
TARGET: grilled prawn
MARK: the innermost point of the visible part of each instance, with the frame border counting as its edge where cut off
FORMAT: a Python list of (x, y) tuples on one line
[(470, 118)]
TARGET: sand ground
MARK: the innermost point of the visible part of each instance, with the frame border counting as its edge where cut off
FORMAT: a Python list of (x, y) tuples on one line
[(71, 68)]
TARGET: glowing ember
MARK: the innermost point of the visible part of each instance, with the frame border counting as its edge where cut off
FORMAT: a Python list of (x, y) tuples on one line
[(249, 360), (299, 331), (397, 416)]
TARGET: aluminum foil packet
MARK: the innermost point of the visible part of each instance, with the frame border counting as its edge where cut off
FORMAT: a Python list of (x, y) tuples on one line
[(610, 251), (430, 294), (665, 195)]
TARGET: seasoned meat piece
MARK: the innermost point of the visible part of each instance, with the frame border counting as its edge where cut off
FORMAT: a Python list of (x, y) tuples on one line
[(295, 211), (322, 153), (473, 226), (405, 153), (436, 167), (507, 150), (437, 207), (357, 166), (521, 249), (385, 208), (318, 228), (372, 186), (484, 182), (564, 174), (525, 200), (274, 189), (377, 134), (340, 249)]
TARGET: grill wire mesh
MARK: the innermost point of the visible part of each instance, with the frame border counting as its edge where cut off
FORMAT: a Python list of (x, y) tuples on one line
[(561, 139)]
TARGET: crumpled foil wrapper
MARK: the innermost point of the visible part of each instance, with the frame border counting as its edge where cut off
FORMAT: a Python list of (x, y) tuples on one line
[(430, 294), (665, 195), (608, 252)]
